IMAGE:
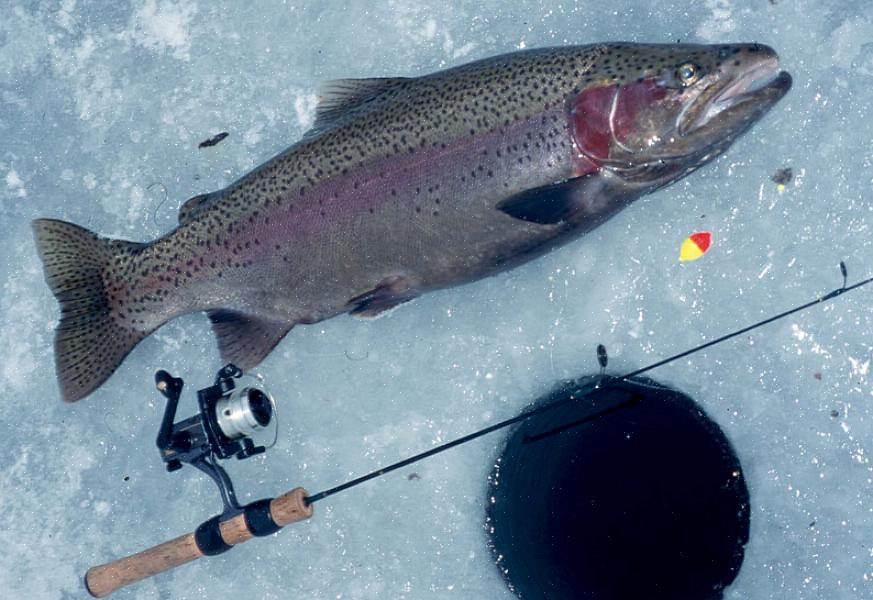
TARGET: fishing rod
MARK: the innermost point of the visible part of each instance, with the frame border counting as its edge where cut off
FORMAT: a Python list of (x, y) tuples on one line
[(230, 416)]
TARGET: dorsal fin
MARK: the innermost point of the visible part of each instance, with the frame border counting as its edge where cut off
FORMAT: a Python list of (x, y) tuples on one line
[(338, 96), (195, 206)]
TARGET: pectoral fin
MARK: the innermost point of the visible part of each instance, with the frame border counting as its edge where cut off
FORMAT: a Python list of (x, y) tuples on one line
[(245, 340), (550, 204)]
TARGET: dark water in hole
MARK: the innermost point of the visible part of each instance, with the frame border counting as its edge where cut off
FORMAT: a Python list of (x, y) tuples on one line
[(647, 502)]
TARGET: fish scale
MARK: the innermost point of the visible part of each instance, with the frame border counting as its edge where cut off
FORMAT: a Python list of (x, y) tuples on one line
[(406, 185)]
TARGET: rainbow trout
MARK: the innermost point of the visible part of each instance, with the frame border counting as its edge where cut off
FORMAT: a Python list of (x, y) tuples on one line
[(406, 185)]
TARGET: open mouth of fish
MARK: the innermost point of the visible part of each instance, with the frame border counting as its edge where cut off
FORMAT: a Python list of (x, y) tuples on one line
[(741, 100), (713, 116)]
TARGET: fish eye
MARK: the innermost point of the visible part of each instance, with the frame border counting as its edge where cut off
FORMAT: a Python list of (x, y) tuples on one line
[(688, 74)]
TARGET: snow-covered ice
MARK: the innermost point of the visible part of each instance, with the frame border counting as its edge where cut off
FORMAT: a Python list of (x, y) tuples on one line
[(102, 105)]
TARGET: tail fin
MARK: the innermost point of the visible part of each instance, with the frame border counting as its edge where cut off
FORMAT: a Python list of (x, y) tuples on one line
[(89, 344)]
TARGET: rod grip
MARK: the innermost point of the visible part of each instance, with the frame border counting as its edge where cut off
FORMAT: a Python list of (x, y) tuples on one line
[(290, 507), (102, 580)]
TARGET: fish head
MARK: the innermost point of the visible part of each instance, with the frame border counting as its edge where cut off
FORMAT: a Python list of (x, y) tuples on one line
[(651, 114)]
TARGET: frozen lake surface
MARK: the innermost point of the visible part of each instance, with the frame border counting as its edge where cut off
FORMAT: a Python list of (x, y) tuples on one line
[(102, 106)]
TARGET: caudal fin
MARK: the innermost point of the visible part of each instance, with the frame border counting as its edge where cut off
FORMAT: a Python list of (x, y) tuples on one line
[(89, 344)]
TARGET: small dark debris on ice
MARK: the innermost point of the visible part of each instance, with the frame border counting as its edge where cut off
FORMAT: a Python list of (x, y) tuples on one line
[(215, 139), (783, 176)]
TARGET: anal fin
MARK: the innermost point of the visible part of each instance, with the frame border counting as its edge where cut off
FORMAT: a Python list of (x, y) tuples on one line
[(388, 293), (245, 340)]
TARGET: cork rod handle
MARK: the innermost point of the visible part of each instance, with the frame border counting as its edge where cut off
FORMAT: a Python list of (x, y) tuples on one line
[(213, 537)]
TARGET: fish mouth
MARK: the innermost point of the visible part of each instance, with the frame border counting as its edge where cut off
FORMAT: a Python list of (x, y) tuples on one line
[(712, 117), (738, 102)]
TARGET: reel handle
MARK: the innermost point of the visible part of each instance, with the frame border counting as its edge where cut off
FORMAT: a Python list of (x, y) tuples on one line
[(213, 537)]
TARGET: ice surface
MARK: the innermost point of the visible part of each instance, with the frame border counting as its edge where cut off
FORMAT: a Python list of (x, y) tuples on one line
[(102, 105)]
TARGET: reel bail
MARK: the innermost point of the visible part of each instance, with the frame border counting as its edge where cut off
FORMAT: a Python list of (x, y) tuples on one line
[(228, 418)]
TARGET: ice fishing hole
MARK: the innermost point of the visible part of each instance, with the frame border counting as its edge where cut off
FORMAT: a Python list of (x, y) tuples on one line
[(647, 501)]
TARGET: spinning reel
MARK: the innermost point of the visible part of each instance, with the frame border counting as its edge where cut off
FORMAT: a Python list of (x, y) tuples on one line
[(228, 419)]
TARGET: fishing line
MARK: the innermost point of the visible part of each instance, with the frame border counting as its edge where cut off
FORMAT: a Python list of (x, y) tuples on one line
[(601, 355), (223, 409)]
